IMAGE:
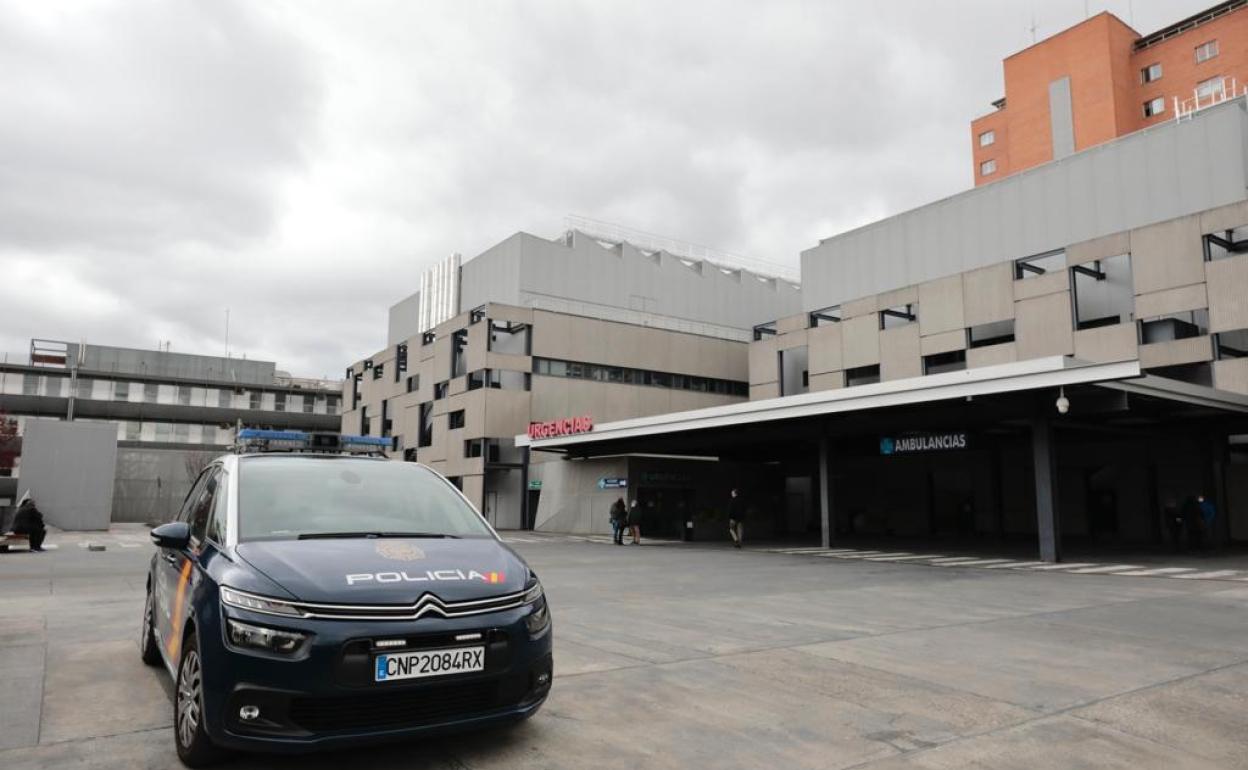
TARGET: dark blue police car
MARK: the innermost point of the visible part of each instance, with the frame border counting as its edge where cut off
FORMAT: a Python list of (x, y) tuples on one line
[(318, 597)]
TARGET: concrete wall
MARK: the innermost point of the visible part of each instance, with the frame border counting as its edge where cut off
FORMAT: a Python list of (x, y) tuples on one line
[(583, 276), (151, 484), (68, 469), (1164, 172), (403, 320)]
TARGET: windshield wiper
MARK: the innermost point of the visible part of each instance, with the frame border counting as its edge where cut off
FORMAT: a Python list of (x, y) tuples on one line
[(346, 535)]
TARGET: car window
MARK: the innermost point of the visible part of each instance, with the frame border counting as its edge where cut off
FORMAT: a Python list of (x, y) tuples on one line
[(284, 497), (203, 506), (216, 520), (192, 496)]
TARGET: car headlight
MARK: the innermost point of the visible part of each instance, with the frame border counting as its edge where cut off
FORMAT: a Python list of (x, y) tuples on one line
[(244, 601), (538, 617), (253, 637)]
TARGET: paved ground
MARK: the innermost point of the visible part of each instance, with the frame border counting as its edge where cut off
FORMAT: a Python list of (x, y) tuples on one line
[(677, 657)]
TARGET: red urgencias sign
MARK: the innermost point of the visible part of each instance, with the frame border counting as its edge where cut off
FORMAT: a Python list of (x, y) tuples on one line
[(565, 427)]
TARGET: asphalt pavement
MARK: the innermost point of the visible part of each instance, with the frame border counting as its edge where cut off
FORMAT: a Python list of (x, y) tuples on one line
[(678, 657)]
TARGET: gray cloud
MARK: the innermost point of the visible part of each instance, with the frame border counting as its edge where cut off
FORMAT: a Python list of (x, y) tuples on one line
[(301, 163)]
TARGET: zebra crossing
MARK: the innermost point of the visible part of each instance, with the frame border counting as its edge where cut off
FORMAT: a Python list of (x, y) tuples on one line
[(984, 562)]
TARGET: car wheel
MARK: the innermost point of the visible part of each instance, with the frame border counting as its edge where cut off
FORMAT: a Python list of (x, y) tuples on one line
[(147, 633), (195, 748)]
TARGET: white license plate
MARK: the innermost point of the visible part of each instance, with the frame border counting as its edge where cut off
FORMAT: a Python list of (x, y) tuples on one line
[(415, 665)]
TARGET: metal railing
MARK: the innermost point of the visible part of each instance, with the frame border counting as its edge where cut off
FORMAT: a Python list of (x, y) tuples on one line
[(1227, 90)]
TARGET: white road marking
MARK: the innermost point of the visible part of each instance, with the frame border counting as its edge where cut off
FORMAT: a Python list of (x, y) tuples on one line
[(1014, 565), (1062, 565), (888, 556), (920, 556), (975, 563), (954, 560), (1221, 574), (1105, 569), (856, 554), (1171, 571)]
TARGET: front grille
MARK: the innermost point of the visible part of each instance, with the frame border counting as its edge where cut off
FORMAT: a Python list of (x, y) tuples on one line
[(398, 709)]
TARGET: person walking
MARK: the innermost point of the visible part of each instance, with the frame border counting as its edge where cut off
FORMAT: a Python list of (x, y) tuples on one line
[(29, 521), (1207, 516), (619, 520), (634, 522), (736, 518)]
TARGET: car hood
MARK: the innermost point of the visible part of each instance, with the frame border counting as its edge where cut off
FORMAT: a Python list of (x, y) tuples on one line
[(388, 570)]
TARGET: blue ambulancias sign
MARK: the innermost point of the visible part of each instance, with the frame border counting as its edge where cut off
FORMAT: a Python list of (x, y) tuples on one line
[(612, 483), (922, 442)]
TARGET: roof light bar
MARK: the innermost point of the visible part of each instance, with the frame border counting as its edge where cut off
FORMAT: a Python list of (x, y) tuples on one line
[(260, 440)]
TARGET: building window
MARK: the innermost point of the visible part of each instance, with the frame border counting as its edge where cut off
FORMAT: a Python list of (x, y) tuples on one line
[(85, 386), (455, 420), (476, 380), (794, 370), (995, 333), (151, 392), (279, 399), (1154, 107), (509, 338), (164, 431), (1228, 243), (363, 420), (1206, 51), (184, 395), (1039, 264), (1174, 326), (121, 391), (181, 432), (309, 403), (474, 447), (332, 404), (1150, 73), (400, 360), (253, 399), (898, 316), (828, 315), (134, 429), (953, 361), (413, 383), (459, 353), (862, 375), (378, 370), (1103, 292), (439, 390), (988, 167), (30, 384), (1212, 89), (1233, 344), (626, 376), (764, 330), (427, 338), (987, 138)]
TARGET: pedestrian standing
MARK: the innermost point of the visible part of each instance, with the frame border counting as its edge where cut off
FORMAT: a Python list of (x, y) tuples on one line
[(634, 521), (28, 521), (1193, 524), (619, 520), (736, 518)]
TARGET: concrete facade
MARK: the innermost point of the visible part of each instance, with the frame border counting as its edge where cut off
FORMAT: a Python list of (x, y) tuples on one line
[(1151, 273)]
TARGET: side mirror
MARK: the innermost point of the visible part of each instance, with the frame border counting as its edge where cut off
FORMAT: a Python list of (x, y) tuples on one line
[(174, 535)]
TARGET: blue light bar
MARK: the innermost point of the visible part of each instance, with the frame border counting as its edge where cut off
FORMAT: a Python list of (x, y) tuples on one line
[(272, 435), (380, 441)]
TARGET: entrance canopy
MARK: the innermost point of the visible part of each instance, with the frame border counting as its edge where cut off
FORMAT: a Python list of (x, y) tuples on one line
[(1017, 390)]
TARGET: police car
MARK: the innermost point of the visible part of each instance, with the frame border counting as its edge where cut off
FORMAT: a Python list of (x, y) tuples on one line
[(311, 593)]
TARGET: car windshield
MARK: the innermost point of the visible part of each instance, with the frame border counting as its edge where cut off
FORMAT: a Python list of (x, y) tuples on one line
[(283, 498)]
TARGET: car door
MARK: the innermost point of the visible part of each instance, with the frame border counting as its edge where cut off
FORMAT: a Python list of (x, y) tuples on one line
[(185, 572), (168, 565)]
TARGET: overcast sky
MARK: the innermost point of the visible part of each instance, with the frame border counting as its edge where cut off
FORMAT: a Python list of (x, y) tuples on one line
[(301, 162)]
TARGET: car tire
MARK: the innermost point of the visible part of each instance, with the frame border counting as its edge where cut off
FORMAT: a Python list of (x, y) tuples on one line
[(195, 748), (148, 649)]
